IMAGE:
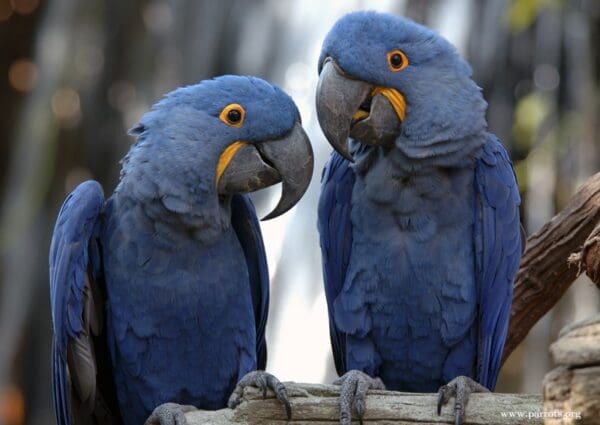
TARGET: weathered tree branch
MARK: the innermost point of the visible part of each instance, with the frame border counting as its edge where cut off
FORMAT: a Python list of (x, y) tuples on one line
[(319, 404), (545, 274), (588, 259)]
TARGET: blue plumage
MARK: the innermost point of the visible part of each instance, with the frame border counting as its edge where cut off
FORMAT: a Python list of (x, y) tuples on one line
[(420, 239), (73, 241), (194, 345), (160, 293)]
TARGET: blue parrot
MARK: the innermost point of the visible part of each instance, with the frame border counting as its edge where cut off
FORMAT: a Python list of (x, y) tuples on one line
[(418, 215), (160, 294)]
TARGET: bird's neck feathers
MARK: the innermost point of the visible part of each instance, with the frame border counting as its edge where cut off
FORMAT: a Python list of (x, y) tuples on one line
[(174, 202), (407, 161)]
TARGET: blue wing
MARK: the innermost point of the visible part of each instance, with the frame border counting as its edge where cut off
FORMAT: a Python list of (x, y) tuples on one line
[(245, 224), (498, 253), (78, 360), (335, 230)]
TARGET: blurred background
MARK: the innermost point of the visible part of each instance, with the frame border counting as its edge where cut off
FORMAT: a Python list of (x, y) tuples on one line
[(75, 75)]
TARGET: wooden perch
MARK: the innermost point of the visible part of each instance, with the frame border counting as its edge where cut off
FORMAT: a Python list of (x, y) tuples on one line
[(314, 404), (545, 274)]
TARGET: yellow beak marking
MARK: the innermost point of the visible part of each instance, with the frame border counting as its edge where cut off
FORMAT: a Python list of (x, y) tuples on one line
[(394, 97), (360, 115), (226, 157)]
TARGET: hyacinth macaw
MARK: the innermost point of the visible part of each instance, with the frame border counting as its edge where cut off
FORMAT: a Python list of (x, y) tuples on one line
[(160, 293), (418, 215)]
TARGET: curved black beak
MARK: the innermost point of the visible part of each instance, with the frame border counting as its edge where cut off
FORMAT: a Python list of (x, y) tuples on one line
[(288, 160), (347, 107)]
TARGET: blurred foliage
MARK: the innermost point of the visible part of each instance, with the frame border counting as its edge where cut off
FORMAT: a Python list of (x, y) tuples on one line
[(530, 111), (522, 14)]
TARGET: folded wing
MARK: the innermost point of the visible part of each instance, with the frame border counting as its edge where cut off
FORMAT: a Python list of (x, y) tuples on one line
[(83, 391)]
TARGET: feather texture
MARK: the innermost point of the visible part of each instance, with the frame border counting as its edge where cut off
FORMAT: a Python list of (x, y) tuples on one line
[(420, 238), (247, 229), (419, 310), (335, 230), (160, 293), (75, 284), (498, 248)]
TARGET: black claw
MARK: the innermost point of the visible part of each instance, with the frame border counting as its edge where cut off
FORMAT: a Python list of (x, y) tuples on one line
[(288, 408), (263, 381), (281, 394), (459, 414), (345, 418), (264, 386), (460, 388), (283, 398), (359, 408), (353, 393), (169, 414)]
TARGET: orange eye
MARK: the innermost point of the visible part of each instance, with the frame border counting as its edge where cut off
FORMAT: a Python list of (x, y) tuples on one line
[(397, 60), (233, 115)]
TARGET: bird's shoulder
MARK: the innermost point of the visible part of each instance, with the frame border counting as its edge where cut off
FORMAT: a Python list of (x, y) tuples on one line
[(494, 175)]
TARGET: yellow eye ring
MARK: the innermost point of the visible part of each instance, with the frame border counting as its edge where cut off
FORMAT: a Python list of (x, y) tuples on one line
[(397, 60), (233, 115)]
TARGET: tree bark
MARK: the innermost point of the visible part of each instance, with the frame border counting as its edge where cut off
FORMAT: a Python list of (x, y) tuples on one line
[(319, 404), (588, 259), (545, 273)]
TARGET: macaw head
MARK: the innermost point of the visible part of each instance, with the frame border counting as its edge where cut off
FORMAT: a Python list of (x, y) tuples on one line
[(387, 81), (224, 136)]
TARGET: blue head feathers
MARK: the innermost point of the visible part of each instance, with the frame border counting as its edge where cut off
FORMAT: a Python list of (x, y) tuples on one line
[(203, 143), (193, 111), (420, 73)]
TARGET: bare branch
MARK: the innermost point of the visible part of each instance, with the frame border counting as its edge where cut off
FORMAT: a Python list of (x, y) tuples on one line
[(319, 404), (545, 273)]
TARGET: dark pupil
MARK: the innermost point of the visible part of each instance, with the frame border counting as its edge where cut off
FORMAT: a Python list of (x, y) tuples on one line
[(396, 60), (234, 116)]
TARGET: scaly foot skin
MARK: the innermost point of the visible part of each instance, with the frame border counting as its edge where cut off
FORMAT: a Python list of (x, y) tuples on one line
[(355, 385), (264, 381), (169, 414), (460, 388)]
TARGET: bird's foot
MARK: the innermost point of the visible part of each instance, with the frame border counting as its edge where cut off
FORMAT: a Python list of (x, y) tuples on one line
[(264, 381), (169, 414), (460, 388), (355, 385)]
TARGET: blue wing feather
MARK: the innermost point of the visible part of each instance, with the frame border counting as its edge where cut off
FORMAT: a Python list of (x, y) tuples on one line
[(247, 228), (498, 251), (335, 230), (70, 256)]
